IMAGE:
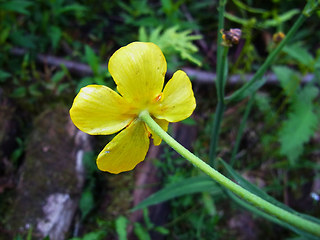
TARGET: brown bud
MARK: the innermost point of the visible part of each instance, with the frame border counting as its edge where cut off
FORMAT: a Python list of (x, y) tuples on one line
[(231, 37), (277, 37)]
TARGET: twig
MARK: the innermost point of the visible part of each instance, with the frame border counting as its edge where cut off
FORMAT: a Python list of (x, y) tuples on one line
[(198, 76), (77, 68), (204, 77)]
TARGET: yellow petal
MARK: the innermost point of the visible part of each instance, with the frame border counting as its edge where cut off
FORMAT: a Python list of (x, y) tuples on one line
[(100, 110), (126, 149), (164, 125), (177, 101), (138, 70)]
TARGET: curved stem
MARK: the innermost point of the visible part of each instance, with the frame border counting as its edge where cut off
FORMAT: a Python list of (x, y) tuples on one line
[(262, 204)]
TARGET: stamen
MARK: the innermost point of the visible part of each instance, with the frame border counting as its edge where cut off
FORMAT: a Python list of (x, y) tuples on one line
[(158, 98)]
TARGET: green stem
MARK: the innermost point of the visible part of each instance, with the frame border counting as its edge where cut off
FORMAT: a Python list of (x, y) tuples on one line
[(241, 129), (222, 74), (216, 132), (220, 85), (220, 51), (267, 207)]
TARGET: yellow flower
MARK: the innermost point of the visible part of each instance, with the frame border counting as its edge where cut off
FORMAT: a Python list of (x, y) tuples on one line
[(138, 69)]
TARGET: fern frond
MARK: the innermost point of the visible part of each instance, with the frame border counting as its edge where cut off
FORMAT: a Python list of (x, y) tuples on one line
[(172, 41)]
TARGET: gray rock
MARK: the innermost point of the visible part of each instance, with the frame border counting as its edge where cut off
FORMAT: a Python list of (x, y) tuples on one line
[(52, 177)]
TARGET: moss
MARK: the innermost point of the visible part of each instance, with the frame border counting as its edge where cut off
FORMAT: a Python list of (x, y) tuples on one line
[(8, 127), (49, 167)]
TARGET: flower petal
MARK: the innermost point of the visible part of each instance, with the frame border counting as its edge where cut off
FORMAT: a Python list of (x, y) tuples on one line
[(164, 125), (126, 149), (138, 70), (98, 109), (178, 101)]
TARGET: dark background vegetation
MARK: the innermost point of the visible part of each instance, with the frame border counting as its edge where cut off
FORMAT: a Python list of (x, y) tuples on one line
[(50, 49)]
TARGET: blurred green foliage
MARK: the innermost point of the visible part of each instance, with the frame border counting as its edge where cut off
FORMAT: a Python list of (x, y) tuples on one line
[(285, 118)]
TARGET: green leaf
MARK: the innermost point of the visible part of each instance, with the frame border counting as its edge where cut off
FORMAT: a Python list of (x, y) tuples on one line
[(186, 186), (143, 37), (29, 236), (288, 79), (18, 6), (98, 235), (267, 23), (166, 6), (86, 202), (162, 230), (62, 87), (99, 80), (209, 204), (19, 92), (58, 76), (4, 34), (89, 162), (55, 35), (147, 221), (22, 39), (34, 90), (279, 19), (300, 54), (172, 41), (238, 20), (4, 75), (300, 125), (248, 8), (136, 8), (72, 8), (310, 7), (141, 232), (317, 63), (121, 227), (16, 154), (189, 121), (18, 237), (92, 59)]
